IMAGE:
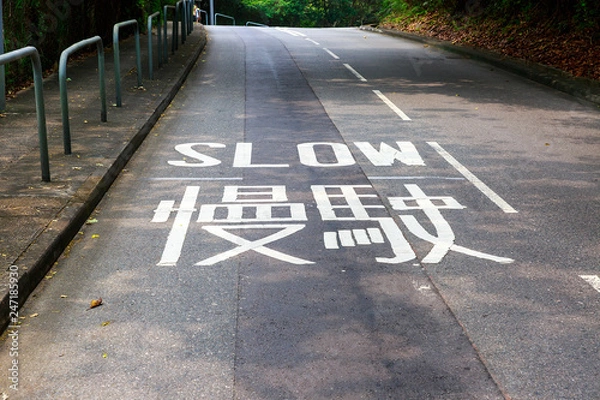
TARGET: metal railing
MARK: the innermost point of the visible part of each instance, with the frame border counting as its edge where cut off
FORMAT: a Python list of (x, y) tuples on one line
[(117, 63), (180, 5), (189, 13), (62, 78), (205, 16), (224, 16), (173, 34), (249, 23), (39, 101), (158, 43)]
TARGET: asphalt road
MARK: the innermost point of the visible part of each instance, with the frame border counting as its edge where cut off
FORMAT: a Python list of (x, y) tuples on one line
[(335, 214)]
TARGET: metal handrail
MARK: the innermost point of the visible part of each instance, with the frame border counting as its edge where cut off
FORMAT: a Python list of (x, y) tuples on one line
[(205, 16), (181, 5), (248, 23), (189, 13), (117, 56), (62, 78), (224, 16), (158, 44), (39, 100), (174, 28)]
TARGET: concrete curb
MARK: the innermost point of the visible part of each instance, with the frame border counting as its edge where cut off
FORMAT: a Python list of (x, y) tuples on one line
[(583, 89), (48, 246)]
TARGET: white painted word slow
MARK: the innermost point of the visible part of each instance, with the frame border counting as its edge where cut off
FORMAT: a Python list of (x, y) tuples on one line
[(308, 155)]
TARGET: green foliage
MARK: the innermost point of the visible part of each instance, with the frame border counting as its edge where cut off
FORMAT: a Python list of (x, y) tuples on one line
[(568, 14), (53, 25), (310, 13)]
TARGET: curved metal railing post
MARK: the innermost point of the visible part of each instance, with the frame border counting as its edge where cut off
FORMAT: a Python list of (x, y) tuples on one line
[(62, 78), (39, 101), (181, 14), (158, 44), (251, 23), (190, 14), (117, 56), (174, 34), (224, 16)]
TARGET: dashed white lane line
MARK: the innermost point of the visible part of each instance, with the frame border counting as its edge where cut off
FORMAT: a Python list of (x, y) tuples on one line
[(313, 42), (483, 188), (355, 73), (332, 54), (593, 280), (392, 105), (291, 32)]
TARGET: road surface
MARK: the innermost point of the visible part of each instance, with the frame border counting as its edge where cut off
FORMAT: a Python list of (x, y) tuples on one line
[(335, 214)]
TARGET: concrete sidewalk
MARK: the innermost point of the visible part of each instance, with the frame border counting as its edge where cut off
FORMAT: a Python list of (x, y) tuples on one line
[(39, 219)]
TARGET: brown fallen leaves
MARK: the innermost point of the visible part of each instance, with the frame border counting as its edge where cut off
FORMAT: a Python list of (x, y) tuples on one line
[(576, 52), (95, 303)]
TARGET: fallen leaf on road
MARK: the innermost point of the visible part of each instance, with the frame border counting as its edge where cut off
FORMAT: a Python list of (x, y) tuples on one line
[(50, 275), (105, 323), (34, 315), (63, 296), (95, 236), (91, 221), (96, 302)]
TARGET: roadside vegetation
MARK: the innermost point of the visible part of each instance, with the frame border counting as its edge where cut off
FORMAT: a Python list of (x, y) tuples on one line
[(53, 25), (561, 33), (564, 34)]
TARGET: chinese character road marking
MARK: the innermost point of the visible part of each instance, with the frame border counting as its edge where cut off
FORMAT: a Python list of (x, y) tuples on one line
[(179, 230), (256, 245), (444, 241), (347, 203)]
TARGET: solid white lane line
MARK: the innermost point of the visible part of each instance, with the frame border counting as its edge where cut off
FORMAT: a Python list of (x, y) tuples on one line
[(356, 74), (331, 53), (392, 105), (313, 42), (483, 188), (408, 178), (593, 280), (197, 179)]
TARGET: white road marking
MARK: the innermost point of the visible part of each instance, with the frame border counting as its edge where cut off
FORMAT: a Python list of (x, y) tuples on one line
[(313, 42), (361, 237), (291, 32), (330, 239), (355, 73), (172, 250), (197, 179), (243, 158), (386, 155), (593, 280), (391, 105), (258, 245), (346, 238), (375, 235), (483, 188), (332, 54), (410, 178)]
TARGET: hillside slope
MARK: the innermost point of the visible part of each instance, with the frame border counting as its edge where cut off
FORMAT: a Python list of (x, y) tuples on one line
[(576, 52)]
